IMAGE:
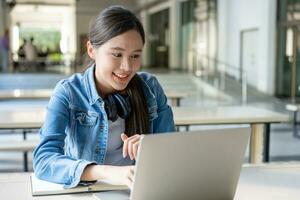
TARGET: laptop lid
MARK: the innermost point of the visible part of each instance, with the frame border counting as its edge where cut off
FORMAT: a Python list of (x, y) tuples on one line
[(202, 164)]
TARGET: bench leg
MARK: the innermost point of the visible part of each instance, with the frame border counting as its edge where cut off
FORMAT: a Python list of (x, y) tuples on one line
[(25, 155), (187, 128), (25, 161), (295, 128), (175, 102), (178, 102), (266, 155)]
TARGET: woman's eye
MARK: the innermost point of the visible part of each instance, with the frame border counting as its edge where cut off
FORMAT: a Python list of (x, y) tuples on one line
[(135, 56), (117, 55)]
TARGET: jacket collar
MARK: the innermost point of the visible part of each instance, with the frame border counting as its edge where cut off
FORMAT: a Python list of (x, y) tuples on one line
[(150, 97), (90, 85)]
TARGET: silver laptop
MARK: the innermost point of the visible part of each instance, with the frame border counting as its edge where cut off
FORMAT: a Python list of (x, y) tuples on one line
[(187, 165)]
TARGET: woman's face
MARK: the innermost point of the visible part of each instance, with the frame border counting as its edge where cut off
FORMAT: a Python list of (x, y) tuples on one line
[(117, 61)]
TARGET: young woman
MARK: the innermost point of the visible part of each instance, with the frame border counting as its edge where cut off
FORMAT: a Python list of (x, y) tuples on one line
[(95, 120)]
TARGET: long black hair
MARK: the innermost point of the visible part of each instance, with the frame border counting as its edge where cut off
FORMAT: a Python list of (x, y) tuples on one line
[(110, 23)]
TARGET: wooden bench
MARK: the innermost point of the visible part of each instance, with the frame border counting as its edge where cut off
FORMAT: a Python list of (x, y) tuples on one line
[(24, 146)]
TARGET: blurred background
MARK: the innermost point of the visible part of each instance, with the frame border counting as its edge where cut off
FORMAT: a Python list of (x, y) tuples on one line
[(253, 41)]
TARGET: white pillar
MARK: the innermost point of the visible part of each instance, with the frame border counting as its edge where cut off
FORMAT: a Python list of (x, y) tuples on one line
[(174, 19), (222, 29), (270, 52), (145, 22)]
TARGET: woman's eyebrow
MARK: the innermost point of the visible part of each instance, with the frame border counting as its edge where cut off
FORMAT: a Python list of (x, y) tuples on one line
[(121, 49)]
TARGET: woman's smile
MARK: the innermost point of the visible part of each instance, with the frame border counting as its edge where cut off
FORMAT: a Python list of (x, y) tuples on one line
[(121, 77)]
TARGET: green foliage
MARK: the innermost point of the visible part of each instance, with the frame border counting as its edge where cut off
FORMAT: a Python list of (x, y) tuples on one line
[(44, 38)]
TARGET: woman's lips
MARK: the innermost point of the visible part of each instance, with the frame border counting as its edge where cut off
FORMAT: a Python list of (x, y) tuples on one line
[(121, 77)]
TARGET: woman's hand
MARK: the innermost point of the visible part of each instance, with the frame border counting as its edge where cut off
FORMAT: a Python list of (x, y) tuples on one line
[(131, 145), (121, 175), (117, 175)]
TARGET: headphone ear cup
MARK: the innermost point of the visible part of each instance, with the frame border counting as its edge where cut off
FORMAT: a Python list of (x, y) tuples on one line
[(123, 105), (111, 108)]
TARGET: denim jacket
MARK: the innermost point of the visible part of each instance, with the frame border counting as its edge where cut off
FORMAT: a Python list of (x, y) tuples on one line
[(75, 131)]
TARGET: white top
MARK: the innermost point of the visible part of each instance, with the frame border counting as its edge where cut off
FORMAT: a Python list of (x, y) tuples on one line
[(114, 154)]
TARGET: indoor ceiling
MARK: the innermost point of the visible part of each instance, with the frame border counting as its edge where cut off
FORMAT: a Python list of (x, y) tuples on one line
[(41, 2)]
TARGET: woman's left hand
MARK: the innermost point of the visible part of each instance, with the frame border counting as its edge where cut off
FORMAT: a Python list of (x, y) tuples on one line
[(131, 145)]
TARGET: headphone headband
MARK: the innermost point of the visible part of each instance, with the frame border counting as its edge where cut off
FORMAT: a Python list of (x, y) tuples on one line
[(117, 105)]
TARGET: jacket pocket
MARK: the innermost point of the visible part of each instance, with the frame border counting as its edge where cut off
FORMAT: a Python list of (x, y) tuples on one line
[(85, 123), (86, 118)]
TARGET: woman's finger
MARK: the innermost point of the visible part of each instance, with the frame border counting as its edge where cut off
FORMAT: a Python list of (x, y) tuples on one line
[(135, 149), (124, 138), (131, 143)]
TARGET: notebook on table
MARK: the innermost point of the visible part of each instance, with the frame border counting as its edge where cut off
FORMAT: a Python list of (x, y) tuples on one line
[(40, 187), (196, 165)]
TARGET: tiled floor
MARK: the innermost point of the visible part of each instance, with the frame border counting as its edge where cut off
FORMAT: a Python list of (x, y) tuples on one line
[(284, 147)]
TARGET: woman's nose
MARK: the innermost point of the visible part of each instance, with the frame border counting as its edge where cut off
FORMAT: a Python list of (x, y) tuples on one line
[(125, 65)]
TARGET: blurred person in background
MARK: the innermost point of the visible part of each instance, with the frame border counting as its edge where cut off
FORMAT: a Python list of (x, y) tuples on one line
[(21, 50), (30, 50), (4, 51)]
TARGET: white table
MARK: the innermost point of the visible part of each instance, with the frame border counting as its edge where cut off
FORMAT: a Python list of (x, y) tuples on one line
[(25, 94), (258, 118), (176, 96), (266, 182), (269, 182), (24, 117)]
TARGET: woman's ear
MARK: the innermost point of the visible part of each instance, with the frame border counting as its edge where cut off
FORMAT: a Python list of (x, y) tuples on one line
[(90, 50)]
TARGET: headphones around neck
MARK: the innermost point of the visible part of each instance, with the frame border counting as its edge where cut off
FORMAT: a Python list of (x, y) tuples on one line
[(117, 105)]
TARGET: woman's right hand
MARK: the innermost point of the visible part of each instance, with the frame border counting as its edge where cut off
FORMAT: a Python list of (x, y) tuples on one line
[(121, 175), (117, 175)]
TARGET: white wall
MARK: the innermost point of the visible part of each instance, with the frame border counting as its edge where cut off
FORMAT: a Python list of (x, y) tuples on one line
[(4, 17), (235, 16), (1, 18), (87, 9), (174, 20)]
